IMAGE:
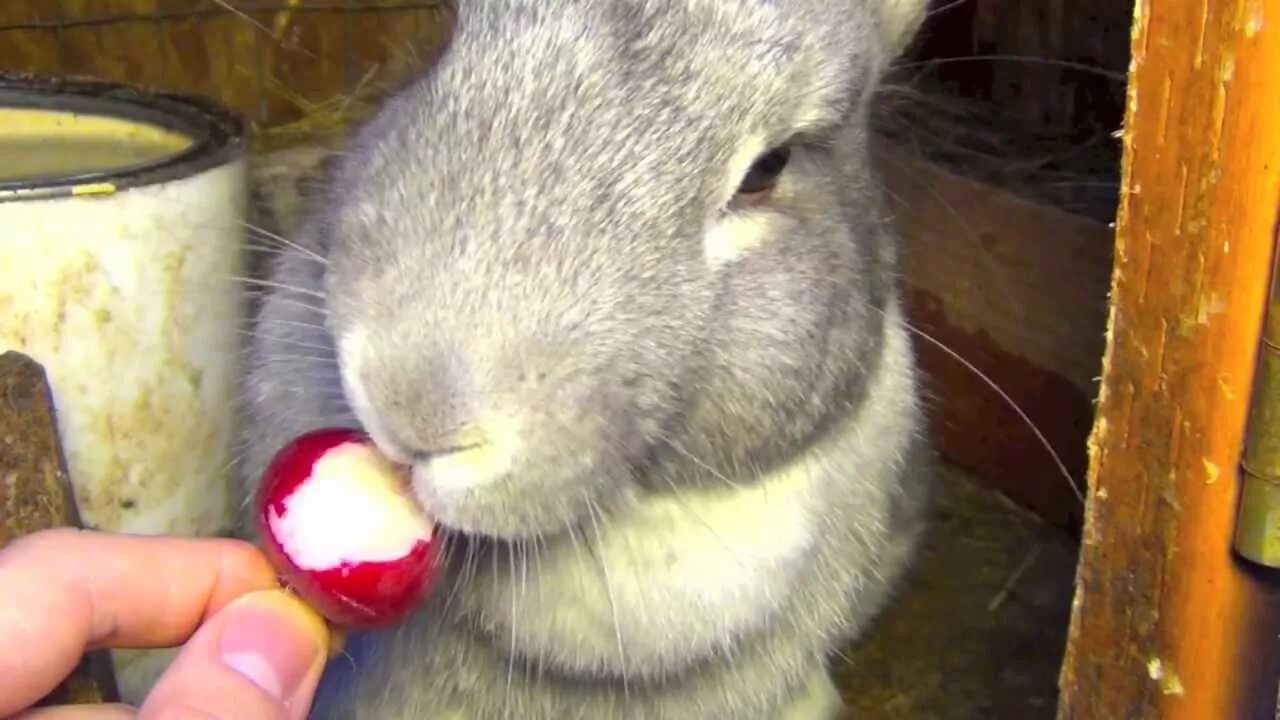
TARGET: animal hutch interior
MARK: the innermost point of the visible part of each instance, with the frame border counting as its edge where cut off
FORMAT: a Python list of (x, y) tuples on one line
[(1086, 194)]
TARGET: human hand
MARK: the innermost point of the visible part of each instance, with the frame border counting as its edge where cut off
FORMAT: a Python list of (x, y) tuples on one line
[(251, 649)]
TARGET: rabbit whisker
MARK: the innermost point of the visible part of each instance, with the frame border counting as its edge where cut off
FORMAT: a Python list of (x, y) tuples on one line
[(267, 234), (592, 510), (511, 651)]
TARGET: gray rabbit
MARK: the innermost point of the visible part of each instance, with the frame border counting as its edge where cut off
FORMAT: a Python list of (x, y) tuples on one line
[(614, 278)]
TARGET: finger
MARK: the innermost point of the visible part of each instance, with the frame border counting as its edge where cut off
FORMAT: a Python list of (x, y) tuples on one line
[(68, 590), (80, 712), (261, 657)]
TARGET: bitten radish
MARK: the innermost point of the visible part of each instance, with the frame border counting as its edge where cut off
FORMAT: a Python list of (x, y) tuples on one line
[(337, 521)]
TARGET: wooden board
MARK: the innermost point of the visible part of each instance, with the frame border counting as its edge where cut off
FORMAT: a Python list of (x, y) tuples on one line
[(1047, 64), (1167, 622), (277, 61), (1019, 291)]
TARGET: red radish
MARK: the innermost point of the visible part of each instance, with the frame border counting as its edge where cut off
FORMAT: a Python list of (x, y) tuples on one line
[(340, 527)]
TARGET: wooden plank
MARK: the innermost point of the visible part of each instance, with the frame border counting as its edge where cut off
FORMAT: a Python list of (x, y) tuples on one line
[(1037, 60), (1167, 622), (234, 56), (974, 272), (36, 494)]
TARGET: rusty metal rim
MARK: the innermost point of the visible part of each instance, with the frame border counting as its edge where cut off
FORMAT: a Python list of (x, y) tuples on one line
[(218, 133)]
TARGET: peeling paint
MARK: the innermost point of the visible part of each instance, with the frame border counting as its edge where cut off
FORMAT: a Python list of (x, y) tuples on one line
[(1212, 471), (1255, 22), (1165, 676), (1210, 306), (1227, 386)]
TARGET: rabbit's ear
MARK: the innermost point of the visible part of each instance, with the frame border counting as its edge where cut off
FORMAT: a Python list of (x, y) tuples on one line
[(900, 19)]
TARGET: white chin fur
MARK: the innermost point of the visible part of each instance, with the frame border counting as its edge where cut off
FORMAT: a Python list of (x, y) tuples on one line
[(484, 464), (349, 511), (901, 19), (468, 469)]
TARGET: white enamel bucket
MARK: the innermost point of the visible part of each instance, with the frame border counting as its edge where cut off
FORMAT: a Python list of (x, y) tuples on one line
[(121, 230)]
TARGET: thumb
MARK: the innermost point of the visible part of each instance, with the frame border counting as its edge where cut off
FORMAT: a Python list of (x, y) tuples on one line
[(259, 657)]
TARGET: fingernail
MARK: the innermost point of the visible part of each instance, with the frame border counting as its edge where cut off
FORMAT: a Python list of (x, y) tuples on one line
[(274, 640)]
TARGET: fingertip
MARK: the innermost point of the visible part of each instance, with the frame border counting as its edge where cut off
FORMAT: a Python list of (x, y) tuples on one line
[(275, 640), (285, 607), (261, 656)]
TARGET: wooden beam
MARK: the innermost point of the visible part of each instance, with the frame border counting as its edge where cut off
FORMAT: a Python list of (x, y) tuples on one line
[(1168, 623)]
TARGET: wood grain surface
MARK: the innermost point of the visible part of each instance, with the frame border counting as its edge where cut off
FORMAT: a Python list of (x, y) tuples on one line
[(1018, 291), (1168, 623)]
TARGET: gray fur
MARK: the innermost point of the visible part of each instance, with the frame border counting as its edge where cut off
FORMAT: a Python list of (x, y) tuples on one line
[(517, 245)]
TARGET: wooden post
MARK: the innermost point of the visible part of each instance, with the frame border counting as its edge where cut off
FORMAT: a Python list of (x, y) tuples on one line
[(1168, 623)]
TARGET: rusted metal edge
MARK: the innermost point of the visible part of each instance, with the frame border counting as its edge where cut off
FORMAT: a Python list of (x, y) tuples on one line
[(1257, 535)]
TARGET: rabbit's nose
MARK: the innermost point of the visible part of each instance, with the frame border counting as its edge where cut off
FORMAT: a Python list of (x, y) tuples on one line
[(424, 401)]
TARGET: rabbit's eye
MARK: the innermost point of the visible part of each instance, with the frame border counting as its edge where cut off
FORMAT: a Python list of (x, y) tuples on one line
[(762, 177)]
